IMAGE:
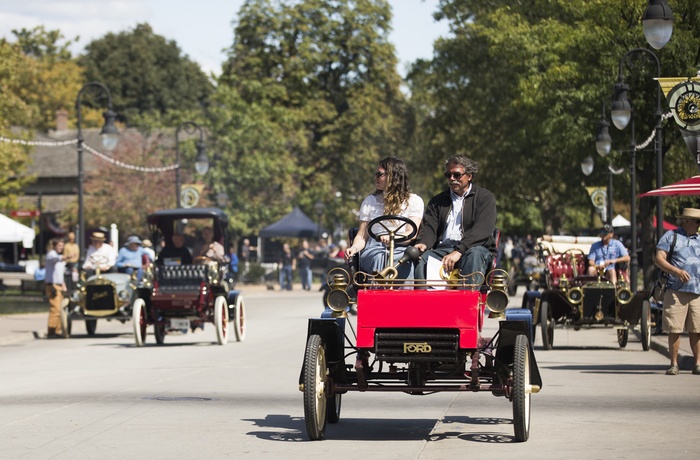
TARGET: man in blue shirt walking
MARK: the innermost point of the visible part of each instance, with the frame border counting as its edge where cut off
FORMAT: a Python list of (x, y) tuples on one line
[(682, 298)]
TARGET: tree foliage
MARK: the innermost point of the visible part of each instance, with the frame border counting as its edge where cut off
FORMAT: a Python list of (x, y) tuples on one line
[(519, 87), (145, 73), (307, 103), (14, 111), (125, 196), (52, 78)]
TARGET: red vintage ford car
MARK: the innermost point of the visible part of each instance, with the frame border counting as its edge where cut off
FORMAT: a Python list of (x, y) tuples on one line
[(416, 337)]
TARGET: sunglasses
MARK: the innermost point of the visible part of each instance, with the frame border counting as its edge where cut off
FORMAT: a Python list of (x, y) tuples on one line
[(456, 175), (379, 174)]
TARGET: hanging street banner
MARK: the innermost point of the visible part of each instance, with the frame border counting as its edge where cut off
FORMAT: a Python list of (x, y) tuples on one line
[(683, 97)]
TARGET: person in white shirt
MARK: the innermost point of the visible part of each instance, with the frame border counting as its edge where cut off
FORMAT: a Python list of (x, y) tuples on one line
[(99, 255), (392, 197)]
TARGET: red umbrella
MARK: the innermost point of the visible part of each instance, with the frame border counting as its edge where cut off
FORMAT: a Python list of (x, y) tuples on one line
[(685, 187), (667, 225)]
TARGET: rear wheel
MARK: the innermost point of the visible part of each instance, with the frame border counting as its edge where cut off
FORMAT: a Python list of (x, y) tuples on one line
[(547, 325), (622, 336), (646, 325), (159, 332), (239, 319), (90, 326), (315, 380), (221, 319), (521, 389), (140, 322), (333, 408)]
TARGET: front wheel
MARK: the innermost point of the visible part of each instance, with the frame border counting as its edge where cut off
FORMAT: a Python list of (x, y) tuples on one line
[(221, 320), (315, 381), (622, 336), (140, 322), (547, 325), (238, 319), (521, 389), (90, 326)]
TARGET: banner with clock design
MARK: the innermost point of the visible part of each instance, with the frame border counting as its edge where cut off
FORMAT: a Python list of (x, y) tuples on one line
[(683, 97)]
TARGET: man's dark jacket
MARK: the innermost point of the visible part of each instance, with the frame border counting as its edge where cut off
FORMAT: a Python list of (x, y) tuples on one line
[(478, 220)]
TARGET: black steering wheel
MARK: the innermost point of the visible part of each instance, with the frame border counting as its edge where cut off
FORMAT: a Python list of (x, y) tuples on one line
[(398, 238)]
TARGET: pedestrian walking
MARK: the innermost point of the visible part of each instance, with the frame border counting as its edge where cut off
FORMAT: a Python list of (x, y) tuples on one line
[(54, 286)]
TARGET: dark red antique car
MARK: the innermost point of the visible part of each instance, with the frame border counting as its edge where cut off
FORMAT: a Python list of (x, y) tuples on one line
[(185, 296), (417, 337)]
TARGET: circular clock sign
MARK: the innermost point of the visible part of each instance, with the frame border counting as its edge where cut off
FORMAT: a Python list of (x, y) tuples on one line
[(684, 101)]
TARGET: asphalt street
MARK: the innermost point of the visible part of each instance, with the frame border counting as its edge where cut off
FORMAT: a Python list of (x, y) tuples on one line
[(102, 397)]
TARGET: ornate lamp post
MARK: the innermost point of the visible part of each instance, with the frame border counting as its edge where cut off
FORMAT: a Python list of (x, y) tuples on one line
[(319, 207), (622, 113), (658, 23), (201, 163), (110, 137)]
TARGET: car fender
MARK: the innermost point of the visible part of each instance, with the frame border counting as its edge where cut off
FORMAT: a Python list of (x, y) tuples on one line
[(507, 332), (331, 331)]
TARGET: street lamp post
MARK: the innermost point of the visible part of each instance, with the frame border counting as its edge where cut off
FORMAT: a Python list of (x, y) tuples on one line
[(201, 162), (110, 137), (319, 207), (622, 113)]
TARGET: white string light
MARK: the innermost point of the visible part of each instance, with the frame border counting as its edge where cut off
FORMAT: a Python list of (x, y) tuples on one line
[(98, 154)]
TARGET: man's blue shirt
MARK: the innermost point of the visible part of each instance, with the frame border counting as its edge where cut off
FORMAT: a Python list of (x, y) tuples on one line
[(599, 252), (686, 256)]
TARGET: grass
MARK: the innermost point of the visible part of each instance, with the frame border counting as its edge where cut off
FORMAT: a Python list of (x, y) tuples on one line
[(13, 302)]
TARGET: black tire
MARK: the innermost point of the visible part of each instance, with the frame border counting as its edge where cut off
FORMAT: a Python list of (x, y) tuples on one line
[(333, 408), (521, 389), (622, 336), (159, 332), (547, 325), (90, 326), (315, 381), (646, 325)]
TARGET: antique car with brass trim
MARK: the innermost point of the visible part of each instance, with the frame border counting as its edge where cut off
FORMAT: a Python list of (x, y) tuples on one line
[(416, 336), (186, 296), (108, 296), (574, 299)]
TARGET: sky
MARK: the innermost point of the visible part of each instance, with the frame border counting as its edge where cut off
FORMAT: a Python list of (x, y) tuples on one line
[(202, 29)]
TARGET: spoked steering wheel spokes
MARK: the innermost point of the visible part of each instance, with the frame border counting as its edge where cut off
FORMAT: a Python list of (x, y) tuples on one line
[(394, 234)]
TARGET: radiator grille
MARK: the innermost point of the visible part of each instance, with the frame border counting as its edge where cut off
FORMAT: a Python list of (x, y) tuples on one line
[(99, 297), (417, 345)]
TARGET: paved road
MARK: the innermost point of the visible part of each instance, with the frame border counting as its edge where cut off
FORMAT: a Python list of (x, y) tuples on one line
[(101, 397)]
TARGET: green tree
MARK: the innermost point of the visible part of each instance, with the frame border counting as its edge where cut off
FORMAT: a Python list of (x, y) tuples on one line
[(307, 103), (145, 73), (519, 87), (13, 112), (52, 77)]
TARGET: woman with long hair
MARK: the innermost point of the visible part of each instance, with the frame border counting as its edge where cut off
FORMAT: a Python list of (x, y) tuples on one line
[(392, 196)]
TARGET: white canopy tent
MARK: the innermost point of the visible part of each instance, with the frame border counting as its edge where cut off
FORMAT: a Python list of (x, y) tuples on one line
[(12, 231), (620, 221)]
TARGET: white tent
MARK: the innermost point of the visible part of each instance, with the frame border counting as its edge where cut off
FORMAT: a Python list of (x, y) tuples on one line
[(620, 221), (13, 232)]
